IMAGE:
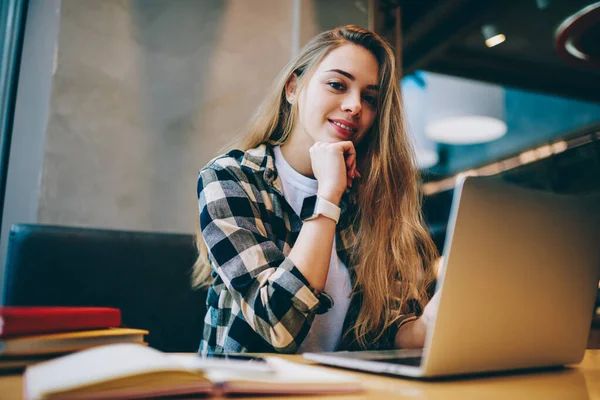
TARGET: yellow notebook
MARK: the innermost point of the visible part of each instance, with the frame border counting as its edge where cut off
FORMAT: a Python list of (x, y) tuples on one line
[(125, 371), (66, 342)]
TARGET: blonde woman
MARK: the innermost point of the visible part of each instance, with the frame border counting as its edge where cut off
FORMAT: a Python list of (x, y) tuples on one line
[(311, 235)]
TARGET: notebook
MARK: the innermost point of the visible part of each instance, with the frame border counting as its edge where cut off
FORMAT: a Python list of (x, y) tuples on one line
[(66, 342), (129, 371), (19, 321)]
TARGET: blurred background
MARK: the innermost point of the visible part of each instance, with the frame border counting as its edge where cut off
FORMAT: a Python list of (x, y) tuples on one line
[(119, 103)]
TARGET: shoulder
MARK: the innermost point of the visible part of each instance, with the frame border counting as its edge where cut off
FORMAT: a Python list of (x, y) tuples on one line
[(252, 160), (230, 161), (238, 166)]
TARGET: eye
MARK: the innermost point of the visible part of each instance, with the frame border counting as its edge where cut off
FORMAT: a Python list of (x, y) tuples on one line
[(372, 100), (336, 85)]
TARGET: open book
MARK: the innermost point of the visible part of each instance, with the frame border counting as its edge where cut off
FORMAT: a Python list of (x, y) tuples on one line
[(132, 371)]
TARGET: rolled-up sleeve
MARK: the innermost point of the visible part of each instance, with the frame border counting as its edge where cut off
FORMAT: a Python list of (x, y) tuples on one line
[(272, 294)]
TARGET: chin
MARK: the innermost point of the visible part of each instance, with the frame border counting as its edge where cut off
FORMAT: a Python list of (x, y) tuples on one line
[(333, 136)]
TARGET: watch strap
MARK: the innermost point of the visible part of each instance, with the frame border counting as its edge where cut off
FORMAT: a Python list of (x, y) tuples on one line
[(325, 208)]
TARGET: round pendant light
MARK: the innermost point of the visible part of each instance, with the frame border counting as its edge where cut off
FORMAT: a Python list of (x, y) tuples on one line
[(462, 111)]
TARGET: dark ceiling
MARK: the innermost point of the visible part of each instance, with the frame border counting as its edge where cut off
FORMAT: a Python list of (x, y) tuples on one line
[(445, 36)]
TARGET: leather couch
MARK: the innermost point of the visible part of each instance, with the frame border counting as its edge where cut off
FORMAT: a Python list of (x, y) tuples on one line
[(145, 275)]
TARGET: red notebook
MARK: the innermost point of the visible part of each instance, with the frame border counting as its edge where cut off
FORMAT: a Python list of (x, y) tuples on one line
[(21, 321)]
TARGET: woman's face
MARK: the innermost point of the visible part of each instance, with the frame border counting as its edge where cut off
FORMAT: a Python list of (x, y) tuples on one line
[(339, 102)]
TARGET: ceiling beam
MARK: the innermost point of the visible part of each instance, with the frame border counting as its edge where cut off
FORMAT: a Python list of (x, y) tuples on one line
[(520, 74), (441, 26), (427, 18)]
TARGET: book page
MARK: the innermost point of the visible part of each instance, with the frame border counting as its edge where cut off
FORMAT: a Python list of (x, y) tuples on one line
[(93, 366), (195, 362), (288, 377)]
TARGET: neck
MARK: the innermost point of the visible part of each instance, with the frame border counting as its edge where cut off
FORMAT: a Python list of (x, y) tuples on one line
[(296, 152)]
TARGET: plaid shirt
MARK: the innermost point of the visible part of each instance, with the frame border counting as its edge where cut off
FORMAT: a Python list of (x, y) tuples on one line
[(259, 301)]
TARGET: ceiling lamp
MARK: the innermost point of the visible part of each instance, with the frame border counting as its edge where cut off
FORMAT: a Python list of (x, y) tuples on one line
[(462, 111), (576, 38), (492, 35), (542, 4), (415, 109)]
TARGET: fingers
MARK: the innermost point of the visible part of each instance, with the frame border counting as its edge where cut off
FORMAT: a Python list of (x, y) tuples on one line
[(350, 155), (350, 158), (348, 152)]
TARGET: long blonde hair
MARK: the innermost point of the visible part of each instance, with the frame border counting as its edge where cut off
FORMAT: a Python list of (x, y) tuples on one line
[(392, 252)]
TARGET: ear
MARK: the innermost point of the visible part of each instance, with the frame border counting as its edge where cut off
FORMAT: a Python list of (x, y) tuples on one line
[(290, 88)]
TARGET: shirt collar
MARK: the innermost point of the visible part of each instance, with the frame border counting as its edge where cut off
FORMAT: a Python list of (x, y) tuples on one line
[(262, 160)]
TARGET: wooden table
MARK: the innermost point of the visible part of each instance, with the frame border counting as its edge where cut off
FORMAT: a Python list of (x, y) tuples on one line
[(578, 382)]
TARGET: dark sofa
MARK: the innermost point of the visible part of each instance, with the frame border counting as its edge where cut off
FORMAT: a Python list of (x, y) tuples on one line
[(146, 275)]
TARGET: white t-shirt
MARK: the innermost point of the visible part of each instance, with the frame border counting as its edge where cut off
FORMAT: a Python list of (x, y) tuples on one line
[(326, 330)]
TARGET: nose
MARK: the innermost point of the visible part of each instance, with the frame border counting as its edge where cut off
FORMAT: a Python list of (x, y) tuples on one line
[(352, 104)]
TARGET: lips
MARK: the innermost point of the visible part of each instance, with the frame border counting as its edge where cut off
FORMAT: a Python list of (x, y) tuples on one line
[(344, 127)]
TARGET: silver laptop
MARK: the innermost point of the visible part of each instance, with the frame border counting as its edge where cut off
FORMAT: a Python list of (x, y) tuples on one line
[(518, 286)]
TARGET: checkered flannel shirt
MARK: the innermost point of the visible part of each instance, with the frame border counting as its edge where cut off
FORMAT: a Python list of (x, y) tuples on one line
[(259, 301)]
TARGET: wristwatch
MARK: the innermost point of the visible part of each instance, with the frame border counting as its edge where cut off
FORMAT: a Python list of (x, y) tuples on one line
[(326, 209)]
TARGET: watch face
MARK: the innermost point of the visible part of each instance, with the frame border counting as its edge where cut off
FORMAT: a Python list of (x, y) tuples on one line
[(313, 206), (308, 207)]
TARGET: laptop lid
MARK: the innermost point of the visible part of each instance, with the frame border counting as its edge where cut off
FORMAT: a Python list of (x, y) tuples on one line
[(519, 280), (518, 285)]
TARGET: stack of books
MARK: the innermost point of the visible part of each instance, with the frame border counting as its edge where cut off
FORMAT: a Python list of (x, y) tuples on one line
[(32, 334)]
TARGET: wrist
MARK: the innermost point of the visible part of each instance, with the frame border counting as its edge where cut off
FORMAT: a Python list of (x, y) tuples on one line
[(325, 208), (330, 196)]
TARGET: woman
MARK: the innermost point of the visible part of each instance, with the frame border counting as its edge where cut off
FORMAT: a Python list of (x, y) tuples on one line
[(327, 144)]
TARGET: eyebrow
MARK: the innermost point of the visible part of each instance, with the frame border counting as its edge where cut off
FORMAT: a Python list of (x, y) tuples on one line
[(351, 77)]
